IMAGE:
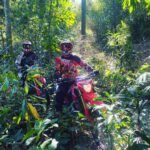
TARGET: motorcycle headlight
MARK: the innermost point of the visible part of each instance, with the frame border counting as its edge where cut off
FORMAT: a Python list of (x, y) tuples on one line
[(87, 87)]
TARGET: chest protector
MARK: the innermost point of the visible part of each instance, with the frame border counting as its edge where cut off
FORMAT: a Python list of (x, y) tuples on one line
[(66, 68)]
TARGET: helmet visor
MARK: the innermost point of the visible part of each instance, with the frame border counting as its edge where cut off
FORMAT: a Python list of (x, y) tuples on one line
[(27, 46)]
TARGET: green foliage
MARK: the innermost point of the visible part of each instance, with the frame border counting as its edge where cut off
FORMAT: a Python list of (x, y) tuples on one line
[(120, 42), (126, 119), (33, 72), (148, 6), (115, 80), (47, 21), (35, 133), (144, 68), (10, 102), (8, 83), (138, 18), (14, 114), (104, 16), (121, 37), (73, 131), (130, 4)]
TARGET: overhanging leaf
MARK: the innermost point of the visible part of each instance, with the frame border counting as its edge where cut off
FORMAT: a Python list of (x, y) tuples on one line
[(19, 119), (26, 88), (29, 134), (33, 111), (38, 82), (45, 143), (30, 140), (53, 145), (131, 9)]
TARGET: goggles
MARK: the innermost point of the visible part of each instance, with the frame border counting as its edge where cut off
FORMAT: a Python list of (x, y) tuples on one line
[(67, 46), (27, 46)]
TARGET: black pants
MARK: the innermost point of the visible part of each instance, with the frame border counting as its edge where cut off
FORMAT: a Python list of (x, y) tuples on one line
[(61, 92)]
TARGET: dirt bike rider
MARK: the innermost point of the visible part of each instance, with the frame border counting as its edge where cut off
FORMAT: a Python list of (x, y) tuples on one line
[(26, 58), (66, 67)]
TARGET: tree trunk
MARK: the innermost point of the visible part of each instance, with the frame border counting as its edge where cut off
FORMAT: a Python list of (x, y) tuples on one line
[(49, 28), (8, 27), (114, 15), (2, 40), (83, 21)]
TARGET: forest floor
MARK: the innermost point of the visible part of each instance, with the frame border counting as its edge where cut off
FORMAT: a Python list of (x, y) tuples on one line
[(88, 51)]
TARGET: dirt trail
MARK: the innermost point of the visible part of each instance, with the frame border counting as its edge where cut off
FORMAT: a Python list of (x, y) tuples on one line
[(88, 50)]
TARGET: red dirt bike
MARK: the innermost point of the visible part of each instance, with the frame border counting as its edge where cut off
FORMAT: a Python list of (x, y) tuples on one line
[(80, 98), (82, 93)]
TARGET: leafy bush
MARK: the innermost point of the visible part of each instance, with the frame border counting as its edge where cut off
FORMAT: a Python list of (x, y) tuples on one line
[(121, 47), (127, 118)]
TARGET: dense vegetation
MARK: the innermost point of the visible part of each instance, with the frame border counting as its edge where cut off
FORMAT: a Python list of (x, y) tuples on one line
[(121, 52)]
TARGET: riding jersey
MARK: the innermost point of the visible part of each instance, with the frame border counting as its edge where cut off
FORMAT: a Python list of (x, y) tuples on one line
[(25, 59), (66, 67)]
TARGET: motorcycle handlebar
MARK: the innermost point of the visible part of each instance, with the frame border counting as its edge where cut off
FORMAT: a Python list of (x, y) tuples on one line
[(32, 67), (94, 73), (78, 78)]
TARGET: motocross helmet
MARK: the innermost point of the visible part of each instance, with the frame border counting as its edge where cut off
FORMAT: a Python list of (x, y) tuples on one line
[(66, 47), (27, 45)]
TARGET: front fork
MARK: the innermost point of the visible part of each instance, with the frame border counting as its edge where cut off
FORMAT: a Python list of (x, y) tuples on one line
[(81, 101), (83, 106)]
